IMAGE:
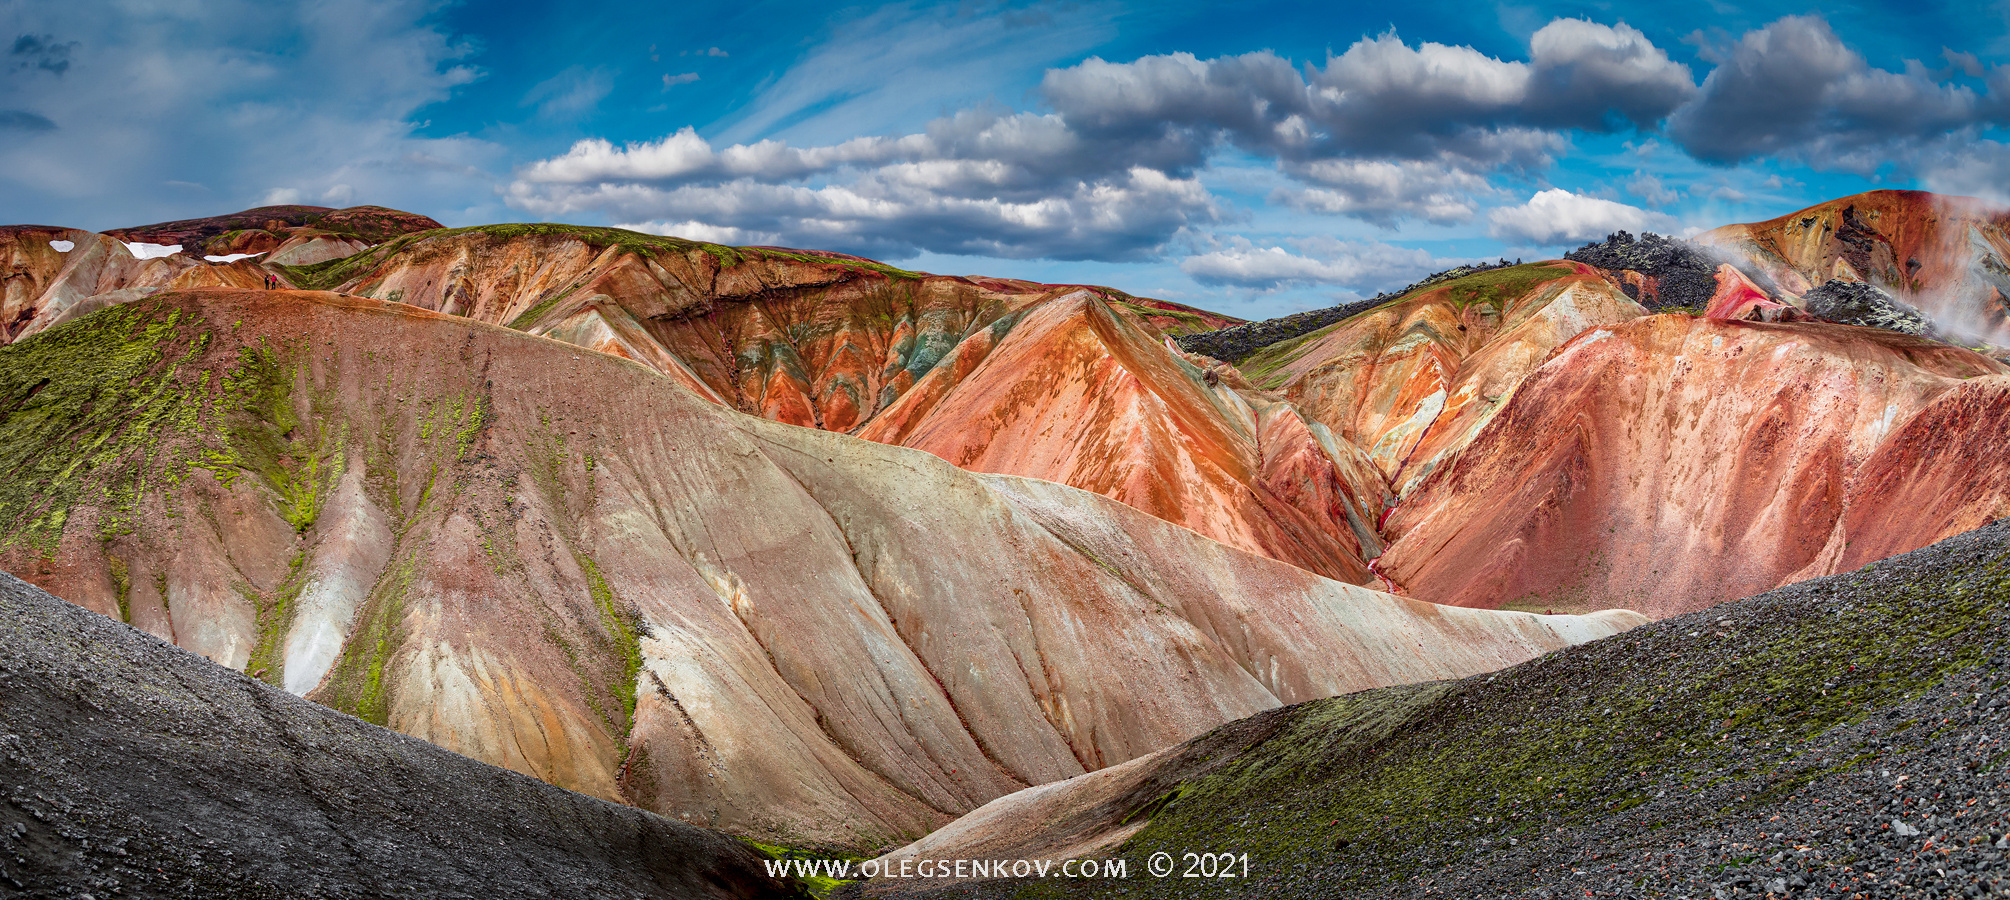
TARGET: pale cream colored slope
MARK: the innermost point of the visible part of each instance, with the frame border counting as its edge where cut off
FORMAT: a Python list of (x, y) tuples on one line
[(499, 543)]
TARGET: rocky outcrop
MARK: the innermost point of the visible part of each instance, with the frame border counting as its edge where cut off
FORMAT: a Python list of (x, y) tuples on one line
[(565, 564), (1660, 272), (134, 768), (1672, 462), (270, 228), (1852, 718), (1238, 342), (1948, 257), (1411, 382), (1857, 303)]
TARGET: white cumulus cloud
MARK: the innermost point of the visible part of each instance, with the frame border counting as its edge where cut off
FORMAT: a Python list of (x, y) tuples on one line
[(1557, 216), (1358, 265)]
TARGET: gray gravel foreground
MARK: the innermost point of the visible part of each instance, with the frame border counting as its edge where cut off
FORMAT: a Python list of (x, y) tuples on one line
[(132, 768), (1863, 756)]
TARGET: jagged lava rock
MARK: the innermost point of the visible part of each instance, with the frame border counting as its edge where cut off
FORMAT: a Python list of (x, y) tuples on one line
[(1944, 255), (1659, 271), (1858, 303)]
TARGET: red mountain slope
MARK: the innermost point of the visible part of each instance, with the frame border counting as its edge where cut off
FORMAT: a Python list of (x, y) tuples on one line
[(566, 564), (1671, 462), (1944, 254)]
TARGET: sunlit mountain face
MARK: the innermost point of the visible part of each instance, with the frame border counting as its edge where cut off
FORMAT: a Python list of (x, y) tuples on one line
[(743, 452)]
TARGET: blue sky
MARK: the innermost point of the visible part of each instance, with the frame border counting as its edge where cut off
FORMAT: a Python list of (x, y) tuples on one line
[(1255, 159)]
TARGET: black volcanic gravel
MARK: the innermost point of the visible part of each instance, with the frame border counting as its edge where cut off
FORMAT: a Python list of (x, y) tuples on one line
[(1865, 759), (1686, 275), (133, 768), (1856, 303), (1238, 342)]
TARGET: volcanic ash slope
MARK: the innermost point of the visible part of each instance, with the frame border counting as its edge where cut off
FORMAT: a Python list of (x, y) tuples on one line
[(1062, 383), (563, 563), (133, 768), (1838, 737)]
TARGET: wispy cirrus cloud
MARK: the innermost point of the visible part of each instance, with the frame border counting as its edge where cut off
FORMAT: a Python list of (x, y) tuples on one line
[(135, 115)]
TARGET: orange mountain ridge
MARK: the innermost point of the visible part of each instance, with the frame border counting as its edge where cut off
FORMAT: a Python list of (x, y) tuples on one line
[(569, 565), (589, 570)]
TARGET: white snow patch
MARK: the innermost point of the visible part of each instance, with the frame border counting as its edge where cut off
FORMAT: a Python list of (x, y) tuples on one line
[(142, 250), (233, 257), (63, 246)]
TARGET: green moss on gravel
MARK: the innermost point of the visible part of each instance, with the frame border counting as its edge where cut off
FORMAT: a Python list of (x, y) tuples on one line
[(333, 273), (1376, 787), (122, 586), (622, 627), (87, 410), (1496, 287), (275, 618)]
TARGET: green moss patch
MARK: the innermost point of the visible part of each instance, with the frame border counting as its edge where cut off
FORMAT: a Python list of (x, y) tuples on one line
[(333, 273), (275, 618), (88, 411), (358, 684), (621, 629), (1374, 788)]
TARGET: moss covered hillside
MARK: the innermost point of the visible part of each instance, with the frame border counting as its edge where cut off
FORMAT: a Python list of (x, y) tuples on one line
[(1770, 742)]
